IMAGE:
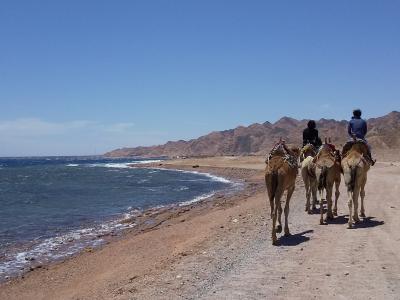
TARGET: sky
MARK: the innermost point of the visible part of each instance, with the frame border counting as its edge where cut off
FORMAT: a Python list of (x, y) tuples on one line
[(85, 77)]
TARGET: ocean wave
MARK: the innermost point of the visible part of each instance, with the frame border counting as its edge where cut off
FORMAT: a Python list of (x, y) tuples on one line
[(61, 246), (123, 165), (210, 176), (72, 165), (181, 188), (197, 199)]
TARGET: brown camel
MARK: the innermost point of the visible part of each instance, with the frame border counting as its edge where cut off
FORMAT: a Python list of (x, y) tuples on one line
[(327, 173), (355, 168), (307, 171), (280, 176)]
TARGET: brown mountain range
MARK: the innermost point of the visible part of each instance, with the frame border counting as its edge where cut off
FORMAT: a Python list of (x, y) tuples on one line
[(257, 139)]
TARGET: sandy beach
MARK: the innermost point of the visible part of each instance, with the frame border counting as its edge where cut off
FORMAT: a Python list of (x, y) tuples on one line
[(221, 248)]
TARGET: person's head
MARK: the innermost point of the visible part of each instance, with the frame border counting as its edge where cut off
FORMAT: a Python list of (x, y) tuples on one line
[(311, 124), (357, 113)]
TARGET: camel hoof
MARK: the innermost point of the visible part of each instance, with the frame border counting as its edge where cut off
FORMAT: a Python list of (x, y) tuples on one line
[(279, 228), (309, 212), (362, 215), (321, 222), (275, 243), (287, 234), (349, 226), (335, 213)]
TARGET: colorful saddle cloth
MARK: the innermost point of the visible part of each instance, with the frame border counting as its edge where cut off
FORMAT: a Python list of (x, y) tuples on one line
[(281, 150)]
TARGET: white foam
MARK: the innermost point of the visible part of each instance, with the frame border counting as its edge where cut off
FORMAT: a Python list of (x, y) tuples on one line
[(123, 165), (61, 246), (212, 177), (197, 199), (72, 165)]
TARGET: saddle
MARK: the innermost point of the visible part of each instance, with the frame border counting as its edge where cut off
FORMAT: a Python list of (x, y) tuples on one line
[(333, 154), (365, 149), (349, 145), (280, 149)]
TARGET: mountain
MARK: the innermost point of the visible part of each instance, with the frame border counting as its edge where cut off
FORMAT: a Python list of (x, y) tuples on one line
[(383, 134)]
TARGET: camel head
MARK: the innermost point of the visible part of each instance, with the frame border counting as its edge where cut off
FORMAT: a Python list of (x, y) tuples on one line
[(295, 151)]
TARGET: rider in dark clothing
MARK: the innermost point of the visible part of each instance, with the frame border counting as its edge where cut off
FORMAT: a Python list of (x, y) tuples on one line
[(310, 135)]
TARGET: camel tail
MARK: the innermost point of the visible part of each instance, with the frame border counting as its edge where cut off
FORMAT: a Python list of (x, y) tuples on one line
[(353, 175), (322, 178), (274, 183)]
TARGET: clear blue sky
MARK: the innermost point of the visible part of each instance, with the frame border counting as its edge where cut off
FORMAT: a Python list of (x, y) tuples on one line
[(84, 77)]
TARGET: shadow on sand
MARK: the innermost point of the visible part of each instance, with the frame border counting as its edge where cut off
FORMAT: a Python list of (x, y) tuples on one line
[(295, 239), (339, 220), (367, 223)]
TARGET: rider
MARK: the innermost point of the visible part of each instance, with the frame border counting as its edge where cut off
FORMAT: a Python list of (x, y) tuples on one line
[(310, 135), (358, 127)]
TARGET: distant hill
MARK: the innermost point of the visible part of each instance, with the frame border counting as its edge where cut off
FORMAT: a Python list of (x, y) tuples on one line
[(383, 134)]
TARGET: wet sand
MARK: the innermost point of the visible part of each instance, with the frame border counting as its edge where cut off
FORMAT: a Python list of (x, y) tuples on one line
[(221, 249)]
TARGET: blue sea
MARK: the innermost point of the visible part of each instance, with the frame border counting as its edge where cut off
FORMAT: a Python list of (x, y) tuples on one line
[(53, 207)]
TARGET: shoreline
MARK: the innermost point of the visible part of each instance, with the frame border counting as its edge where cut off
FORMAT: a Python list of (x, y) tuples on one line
[(146, 220)]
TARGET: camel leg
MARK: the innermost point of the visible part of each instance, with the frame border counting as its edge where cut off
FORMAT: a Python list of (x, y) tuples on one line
[(271, 204), (350, 204), (308, 194), (355, 197), (329, 214), (362, 195), (279, 227), (321, 208), (337, 194), (322, 198), (314, 195), (289, 195), (278, 196), (270, 195)]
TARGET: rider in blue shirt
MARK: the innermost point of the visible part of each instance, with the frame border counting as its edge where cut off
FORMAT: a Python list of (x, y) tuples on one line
[(358, 127)]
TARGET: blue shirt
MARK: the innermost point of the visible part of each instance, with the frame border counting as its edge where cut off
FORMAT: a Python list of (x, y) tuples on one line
[(358, 127)]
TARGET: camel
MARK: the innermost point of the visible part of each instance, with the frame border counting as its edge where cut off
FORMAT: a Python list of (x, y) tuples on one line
[(307, 168), (280, 176), (355, 168), (327, 173)]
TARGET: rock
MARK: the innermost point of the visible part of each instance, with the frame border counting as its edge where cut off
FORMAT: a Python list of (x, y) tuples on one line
[(29, 258), (179, 276), (235, 220), (133, 278)]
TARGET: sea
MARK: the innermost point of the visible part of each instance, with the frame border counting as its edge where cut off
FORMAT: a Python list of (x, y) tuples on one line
[(54, 207)]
